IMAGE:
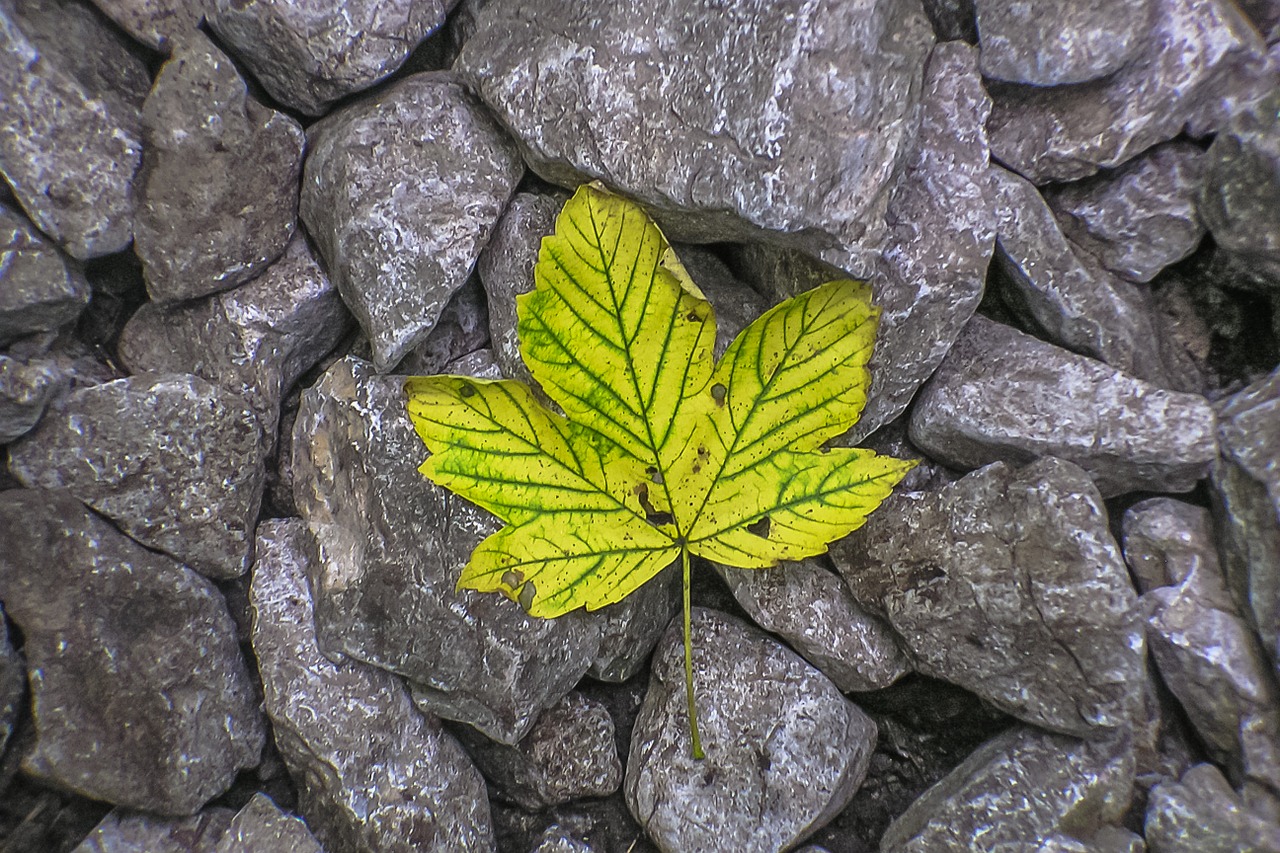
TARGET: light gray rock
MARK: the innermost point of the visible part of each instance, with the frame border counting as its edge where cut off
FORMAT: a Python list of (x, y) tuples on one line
[(1201, 814), (139, 693), (122, 831), (155, 23), (1016, 791), (218, 187), (39, 289), (400, 192), (1059, 42), (1008, 583), (71, 91), (373, 773), (13, 684), (1004, 395), (785, 751), (25, 390)]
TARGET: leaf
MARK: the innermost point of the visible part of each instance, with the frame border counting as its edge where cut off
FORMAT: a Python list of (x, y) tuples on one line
[(660, 453)]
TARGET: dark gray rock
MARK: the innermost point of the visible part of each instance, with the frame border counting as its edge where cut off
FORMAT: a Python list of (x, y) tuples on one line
[(1008, 583), (71, 91), (400, 192), (735, 303), (260, 827), (1061, 41), (139, 693), (373, 772), (631, 628), (39, 289), (1004, 395), (463, 329), (953, 20), (557, 839), (25, 390), (784, 750), (155, 23), (812, 609), (124, 832), (1165, 540), (391, 546), (1140, 218), (177, 462), (1016, 791), (13, 683), (1201, 814)]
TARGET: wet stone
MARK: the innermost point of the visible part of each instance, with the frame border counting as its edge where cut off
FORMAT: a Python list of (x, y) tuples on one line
[(1201, 814), (177, 462), (1059, 42), (373, 772), (122, 831), (25, 390), (1003, 395), (155, 23), (39, 289), (140, 695)]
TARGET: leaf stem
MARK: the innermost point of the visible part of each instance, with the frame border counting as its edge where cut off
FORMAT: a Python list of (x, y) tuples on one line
[(688, 660)]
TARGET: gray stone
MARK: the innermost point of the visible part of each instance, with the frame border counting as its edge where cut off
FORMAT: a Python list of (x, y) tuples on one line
[(1008, 583), (1004, 395), (125, 832), (1201, 814), (400, 192), (953, 20), (25, 390), (391, 547), (812, 609), (260, 827), (13, 684), (71, 92), (254, 341), (373, 773), (463, 329), (1185, 337), (556, 839), (139, 693), (1062, 133), (177, 462), (1140, 218), (1265, 14), (785, 751), (155, 23), (1165, 540), (782, 120), (1014, 792), (39, 289), (631, 628), (1059, 42), (735, 303), (218, 187)]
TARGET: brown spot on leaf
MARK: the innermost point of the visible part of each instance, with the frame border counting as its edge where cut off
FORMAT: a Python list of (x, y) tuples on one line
[(718, 393), (467, 391)]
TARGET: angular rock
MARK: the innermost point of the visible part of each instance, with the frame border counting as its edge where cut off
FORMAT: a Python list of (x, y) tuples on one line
[(1062, 133), (13, 684), (721, 124), (139, 693), (631, 628), (784, 750), (1015, 791), (1201, 814), (400, 192), (1003, 395), (25, 391), (736, 304), (218, 187), (461, 331), (71, 91), (310, 54), (1165, 540), (39, 290), (125, 832), (391, 547), (155, 23), (260, 827), (1059, 43), (1140, 218), (1008, 583), (812, 610), (177, 462)]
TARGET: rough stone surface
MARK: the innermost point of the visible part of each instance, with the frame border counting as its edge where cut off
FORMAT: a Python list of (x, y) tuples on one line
[(25, 390), (461, 331), (39, 290), (391, 546), (812, 609), (631, 628), (260, 827), (177, 462), (218, 187), (373, 772), (1059, 42), (1201, 814), (71, 91), (784, 750), (1004, 395), (1008, 583), (13, 684), (155, 23), (1014, 792), (1165, 540), (1062, 133), (1140, 218), (124, 832), (140, 695), (400, 192), (953, 20)]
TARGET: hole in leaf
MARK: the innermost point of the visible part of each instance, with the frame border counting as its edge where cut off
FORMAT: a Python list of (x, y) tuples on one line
[(654, 474), (513, 578), (760, 527)]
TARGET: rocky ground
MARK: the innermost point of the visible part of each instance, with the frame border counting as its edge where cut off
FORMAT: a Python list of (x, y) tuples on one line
[(230, 621)]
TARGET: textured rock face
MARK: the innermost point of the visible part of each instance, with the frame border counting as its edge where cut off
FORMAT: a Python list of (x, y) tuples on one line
[(218, 188), (71, 91), (140, 695), (721, 122), (400, 193), (155, 23), (260, 827), (1061, 41), (1003, 395), (1008, 583), (785, 751), (631, 628), (39, 289), (1201, 814), (13, 684), (125, 832), (25, 390), (373, 772), (175, 461)]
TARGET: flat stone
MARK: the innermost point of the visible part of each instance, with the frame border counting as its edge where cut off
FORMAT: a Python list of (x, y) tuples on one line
[(400, 192), (218, 188), (1015, 791), (40, 291), (1008, 583), (1004, 395), (139, 693), (1059, 42), (1201, 814), (373, 772), (155, 23), (122, 831), (177, 462), (784, 750), (25, 390), (13, 684), (812, 609), (391, 547), (260, 827), (1140, 218)]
